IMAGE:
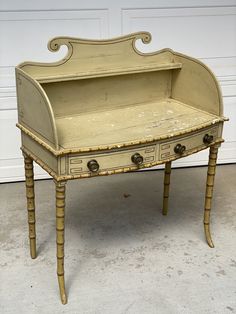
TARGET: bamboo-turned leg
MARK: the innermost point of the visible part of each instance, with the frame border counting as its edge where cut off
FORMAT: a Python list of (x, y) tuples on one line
[(29, 182), (60, 223), (166, 187), (209, 192)]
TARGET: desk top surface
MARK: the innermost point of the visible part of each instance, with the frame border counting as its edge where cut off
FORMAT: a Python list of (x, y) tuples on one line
[(141, 122)]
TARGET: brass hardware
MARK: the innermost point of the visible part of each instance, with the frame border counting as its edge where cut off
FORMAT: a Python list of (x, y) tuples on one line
[(93, 165), (179, 149), (137, 159), (208, 139)]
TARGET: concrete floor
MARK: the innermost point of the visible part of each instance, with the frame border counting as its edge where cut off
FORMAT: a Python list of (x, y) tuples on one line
[(122, 255)]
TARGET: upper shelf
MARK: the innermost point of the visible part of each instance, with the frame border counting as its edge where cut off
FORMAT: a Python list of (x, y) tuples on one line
[(98, 58)]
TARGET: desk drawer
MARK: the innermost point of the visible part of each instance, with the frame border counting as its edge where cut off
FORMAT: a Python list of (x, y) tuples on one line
[(78, 164), (177, 147)]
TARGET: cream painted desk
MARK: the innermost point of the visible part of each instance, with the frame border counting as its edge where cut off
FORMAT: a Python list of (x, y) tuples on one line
[(107, 108)]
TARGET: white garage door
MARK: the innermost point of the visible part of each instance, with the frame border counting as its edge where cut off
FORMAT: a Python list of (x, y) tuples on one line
[(203, 29)]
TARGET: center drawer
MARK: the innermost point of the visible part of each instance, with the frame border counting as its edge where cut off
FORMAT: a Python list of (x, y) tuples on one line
[(78, 164)]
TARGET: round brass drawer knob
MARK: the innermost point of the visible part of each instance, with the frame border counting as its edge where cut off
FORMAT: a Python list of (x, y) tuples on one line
[(207, 139), (179, 149), (93, 165), (137, 159)]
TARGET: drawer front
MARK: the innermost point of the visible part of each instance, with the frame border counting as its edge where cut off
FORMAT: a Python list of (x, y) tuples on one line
[(191, 142), (78, 164)]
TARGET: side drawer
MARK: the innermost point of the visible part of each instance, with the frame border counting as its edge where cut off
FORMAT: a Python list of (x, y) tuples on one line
[(190, 142), (78, 164)]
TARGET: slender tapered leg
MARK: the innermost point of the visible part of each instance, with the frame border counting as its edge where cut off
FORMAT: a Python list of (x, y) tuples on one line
[(29, 182), (60, 225), (209, 192), (166, 187)]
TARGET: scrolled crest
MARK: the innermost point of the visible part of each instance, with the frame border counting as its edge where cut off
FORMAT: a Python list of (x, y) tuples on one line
[(74, 44), (146, 37), (55, 43)]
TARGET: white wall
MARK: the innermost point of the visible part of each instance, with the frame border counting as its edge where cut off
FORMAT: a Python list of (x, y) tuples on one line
[(203, 29)]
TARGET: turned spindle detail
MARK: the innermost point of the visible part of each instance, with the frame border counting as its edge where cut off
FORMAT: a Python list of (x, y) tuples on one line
[(166, 187), (209, 192), (60, 237), (29, 182)]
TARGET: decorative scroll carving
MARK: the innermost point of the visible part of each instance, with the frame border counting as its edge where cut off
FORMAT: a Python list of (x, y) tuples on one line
[(75, 46)]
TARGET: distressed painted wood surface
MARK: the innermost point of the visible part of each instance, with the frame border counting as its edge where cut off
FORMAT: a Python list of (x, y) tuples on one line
[(29, 183), (209, 192), (106, 81), (142, 121), (109, 104), (166, 187)]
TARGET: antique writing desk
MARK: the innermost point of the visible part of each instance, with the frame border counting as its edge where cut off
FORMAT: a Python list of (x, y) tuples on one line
[(107, 108)]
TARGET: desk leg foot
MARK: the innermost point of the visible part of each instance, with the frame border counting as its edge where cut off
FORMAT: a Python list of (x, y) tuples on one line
[(166, 187), (209, 192), (60, 224), (61, 282), (29, 182), (208, 235)]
